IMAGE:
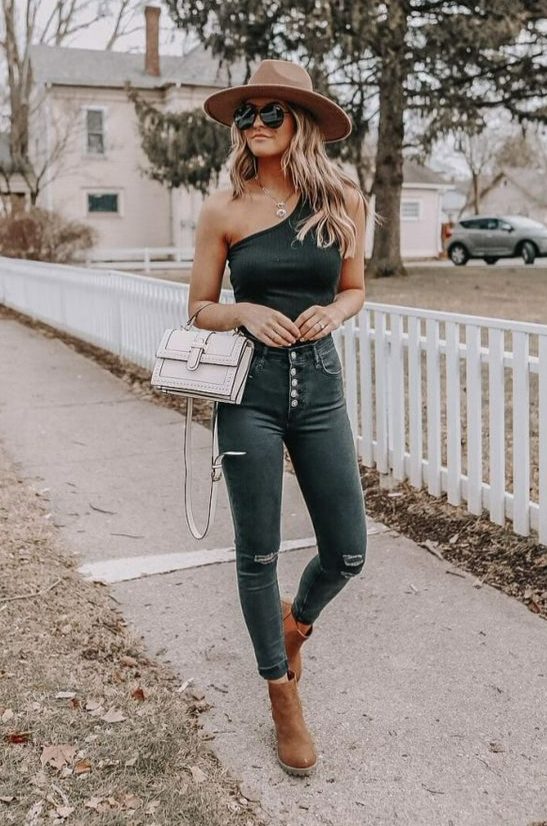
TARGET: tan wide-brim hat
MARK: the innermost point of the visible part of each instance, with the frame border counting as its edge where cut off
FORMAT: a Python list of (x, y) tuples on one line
[(285, 81)]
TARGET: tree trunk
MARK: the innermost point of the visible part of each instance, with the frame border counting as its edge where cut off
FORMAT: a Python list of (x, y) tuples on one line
[(388, 180), (476, 196)]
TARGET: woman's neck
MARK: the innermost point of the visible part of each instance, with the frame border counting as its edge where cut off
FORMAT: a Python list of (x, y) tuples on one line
[(273, 177)]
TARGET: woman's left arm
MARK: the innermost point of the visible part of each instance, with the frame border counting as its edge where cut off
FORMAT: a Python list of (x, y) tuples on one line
[(351, 288)]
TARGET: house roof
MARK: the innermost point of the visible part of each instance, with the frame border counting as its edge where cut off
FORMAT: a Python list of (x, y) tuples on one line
[(95, 67), (530, 181), (414, 173)]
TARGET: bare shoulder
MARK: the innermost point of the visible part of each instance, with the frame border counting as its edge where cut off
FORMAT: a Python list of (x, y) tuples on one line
[(214, 206)]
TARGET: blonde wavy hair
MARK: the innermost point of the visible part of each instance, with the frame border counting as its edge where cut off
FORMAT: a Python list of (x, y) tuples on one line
[(319, 179)]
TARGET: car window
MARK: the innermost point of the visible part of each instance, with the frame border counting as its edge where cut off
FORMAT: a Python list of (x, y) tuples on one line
[(505, 225), (480, 223)]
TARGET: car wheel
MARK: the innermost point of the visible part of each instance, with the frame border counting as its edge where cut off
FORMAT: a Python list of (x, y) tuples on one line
[(458, 255), (490, 259), (528, 252)]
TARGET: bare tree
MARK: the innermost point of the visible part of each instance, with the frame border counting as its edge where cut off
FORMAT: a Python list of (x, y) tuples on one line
[(23, 24), (479, 149)]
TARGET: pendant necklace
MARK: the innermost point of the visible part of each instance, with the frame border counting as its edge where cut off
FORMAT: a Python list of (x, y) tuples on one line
[(280, 206)]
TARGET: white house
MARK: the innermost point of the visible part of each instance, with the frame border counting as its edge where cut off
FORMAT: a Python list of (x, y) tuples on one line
[(86, 124), (83, 114), (421, 211)]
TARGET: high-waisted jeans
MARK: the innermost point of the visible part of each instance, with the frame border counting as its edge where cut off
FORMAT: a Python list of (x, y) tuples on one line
[(293, 396)]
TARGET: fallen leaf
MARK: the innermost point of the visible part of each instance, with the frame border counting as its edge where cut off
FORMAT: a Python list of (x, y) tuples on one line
[(65, 695), (18, 736), (131, 801), (64, 811), (197, 693), (93, 803), (113, 716), (7, 715), (82, 766), (40, 779), (33, 815), (198, 775), (57, 756), (5, 799), (138, 694), (130, 662)]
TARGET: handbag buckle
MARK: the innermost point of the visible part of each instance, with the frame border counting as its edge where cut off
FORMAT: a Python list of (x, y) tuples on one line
[(199, 344)]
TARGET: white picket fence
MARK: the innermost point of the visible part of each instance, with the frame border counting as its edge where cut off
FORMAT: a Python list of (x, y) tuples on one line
[(456, 403), (141, 258)]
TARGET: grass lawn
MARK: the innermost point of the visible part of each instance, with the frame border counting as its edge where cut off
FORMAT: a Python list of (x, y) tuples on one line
[(513, 292)]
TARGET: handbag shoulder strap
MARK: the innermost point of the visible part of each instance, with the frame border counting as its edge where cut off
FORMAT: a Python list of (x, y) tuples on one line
[(216, 469)]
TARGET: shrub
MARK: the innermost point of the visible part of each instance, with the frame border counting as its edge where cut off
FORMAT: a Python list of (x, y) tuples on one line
[(42, 235)]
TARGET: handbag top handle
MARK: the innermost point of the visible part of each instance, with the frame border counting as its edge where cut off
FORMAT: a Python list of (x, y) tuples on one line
[(190, 321)]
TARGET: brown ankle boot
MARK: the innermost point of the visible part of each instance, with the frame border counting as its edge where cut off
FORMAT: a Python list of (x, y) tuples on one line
[(295, 747), (296, 633)]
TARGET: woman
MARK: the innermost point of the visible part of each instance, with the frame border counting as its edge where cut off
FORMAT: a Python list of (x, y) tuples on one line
[(292, 229)]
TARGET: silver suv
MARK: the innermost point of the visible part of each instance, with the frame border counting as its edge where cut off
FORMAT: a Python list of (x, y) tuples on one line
[(503, 236)]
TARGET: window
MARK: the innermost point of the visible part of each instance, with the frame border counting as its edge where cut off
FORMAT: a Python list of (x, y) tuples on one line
[(411, 210), (95, 131), (103, 202), (480, 223)]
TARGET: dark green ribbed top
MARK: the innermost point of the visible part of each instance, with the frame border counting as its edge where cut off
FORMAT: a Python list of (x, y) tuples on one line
[(272, 268)]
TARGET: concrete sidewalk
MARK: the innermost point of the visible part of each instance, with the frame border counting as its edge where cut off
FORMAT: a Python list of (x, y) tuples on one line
[(426, 694)]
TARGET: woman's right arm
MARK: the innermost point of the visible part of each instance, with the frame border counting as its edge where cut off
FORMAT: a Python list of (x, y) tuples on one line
[(210, 255)]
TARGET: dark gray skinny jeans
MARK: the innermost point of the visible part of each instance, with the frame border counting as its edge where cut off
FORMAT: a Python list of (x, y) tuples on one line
[(293, 396)]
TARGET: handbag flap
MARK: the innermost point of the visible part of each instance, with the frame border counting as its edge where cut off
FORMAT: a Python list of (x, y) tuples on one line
[(219, 347)]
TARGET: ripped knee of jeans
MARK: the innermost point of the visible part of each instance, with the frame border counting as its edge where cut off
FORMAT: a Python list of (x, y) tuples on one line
[(264, 559), (353, 564)]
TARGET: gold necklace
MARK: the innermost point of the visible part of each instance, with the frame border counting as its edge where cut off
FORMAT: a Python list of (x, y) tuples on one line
[(280, 206)]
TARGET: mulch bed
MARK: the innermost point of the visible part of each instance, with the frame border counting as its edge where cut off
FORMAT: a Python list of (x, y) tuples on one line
[(514, 564)]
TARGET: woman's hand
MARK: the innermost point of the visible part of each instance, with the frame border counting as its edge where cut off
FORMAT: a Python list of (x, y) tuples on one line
[(316, 321), (270, 326)]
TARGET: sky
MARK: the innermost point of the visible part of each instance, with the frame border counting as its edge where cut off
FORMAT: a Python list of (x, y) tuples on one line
[(96, 36)]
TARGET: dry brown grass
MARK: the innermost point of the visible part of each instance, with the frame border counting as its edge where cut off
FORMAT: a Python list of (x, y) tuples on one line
[(93, 731), (517, 293)]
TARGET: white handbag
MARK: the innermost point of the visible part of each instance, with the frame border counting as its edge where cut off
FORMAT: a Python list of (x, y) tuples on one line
[(204, 364)]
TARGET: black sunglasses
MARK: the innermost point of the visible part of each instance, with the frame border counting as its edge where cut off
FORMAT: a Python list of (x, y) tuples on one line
[(272, 115)]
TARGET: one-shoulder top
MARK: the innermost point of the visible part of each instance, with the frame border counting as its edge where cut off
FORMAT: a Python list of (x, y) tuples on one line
[(272, 268)]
